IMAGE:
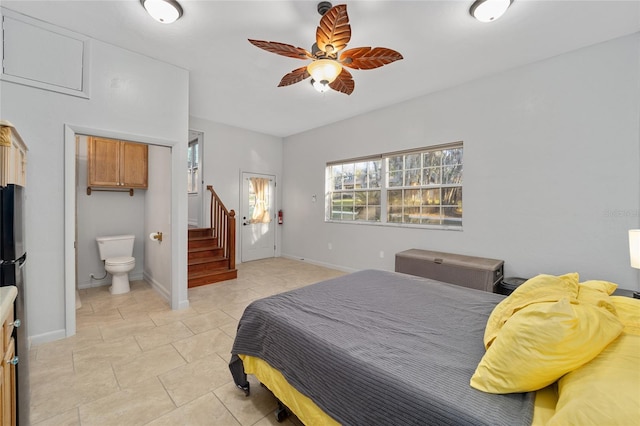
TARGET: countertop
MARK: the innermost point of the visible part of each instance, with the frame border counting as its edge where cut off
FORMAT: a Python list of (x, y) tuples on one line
[(7, 296)]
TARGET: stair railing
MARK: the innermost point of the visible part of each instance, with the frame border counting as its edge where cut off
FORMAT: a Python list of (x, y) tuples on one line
[(223, 226)]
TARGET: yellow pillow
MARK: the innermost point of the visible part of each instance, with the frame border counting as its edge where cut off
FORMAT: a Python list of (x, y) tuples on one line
[(606, 391), (597, 295), (542, 342), (628, 310), (542, 288), (604, 286)]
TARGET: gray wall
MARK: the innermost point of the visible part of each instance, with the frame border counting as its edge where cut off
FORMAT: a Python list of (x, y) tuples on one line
[(130, 94), (551, 169)]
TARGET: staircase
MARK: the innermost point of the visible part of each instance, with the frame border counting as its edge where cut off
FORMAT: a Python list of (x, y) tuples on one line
[(212, 253)]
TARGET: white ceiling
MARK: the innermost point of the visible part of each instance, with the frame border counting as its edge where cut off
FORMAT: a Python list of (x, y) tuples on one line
[(233, 82)]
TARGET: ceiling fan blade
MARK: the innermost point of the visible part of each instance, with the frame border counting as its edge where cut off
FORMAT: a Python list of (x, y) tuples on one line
[(282, 49), (343, 83), (334, 31), (366, 58), (294, 76)]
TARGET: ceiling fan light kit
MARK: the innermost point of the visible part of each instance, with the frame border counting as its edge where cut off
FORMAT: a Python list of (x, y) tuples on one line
[(489, 10), (163, 11), (328, 57)]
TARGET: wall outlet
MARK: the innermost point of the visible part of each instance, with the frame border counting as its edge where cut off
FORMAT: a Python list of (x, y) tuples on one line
[(381, 254), (330, 246)]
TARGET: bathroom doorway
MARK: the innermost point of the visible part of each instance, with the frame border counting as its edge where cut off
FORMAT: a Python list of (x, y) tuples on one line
[(166, 199)]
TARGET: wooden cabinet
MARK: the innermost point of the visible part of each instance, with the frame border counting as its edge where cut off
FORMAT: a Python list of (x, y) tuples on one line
[(13, 156), (8, 373), (117, 164)]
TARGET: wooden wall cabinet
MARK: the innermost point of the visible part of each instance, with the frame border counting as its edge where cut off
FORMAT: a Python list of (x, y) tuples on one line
[(13, 157), (117, 164), (8, 413)]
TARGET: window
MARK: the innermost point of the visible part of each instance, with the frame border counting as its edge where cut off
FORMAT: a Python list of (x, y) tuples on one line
[(193, 160), (418, 187)]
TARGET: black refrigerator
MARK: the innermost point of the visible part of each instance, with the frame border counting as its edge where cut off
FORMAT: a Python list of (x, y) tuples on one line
[(13, 257)]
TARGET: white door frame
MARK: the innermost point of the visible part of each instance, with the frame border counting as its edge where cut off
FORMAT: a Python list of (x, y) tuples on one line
[(242, 207), (179, 216)]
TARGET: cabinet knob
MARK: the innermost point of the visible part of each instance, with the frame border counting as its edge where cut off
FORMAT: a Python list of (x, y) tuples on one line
[(16, 323), (14, 360)]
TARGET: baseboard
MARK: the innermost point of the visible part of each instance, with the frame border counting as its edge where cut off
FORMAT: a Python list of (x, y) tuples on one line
[(158, 287), (319, 263), (39, 339)]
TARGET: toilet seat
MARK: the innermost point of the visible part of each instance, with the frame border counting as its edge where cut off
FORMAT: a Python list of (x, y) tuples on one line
[(120, 261)]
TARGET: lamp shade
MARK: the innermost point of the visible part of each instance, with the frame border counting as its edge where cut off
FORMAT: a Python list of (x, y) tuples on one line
[(164, 11), (324, 71), (634, 247), (489, 10)]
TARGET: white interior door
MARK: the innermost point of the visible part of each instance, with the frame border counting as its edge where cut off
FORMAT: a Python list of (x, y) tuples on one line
[(258, 218)]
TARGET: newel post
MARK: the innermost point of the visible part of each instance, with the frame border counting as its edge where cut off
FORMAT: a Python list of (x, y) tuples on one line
[(231, 237)]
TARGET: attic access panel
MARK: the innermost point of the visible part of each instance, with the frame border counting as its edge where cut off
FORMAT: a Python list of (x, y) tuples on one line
[(41, 55)]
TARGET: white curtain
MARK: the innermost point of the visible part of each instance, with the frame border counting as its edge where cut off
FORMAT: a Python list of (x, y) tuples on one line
[(261, 210)]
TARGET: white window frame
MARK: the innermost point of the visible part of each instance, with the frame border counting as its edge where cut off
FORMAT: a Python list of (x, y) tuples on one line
[(448, 222)]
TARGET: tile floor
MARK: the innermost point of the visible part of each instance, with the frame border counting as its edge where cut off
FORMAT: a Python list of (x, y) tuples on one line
[(134, 361)]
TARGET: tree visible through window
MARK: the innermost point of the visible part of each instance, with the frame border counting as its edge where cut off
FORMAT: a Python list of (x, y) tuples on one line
[(193, 161), (417, 187)]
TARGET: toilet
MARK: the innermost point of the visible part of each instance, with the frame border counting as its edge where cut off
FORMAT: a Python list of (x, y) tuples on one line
[(117, 251)]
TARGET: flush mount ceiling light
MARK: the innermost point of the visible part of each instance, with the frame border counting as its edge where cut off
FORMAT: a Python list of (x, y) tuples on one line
[(328, 56), (489, 10), (164, 11)]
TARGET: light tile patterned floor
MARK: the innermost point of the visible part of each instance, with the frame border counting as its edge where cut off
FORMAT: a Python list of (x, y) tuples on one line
[(134, 361)]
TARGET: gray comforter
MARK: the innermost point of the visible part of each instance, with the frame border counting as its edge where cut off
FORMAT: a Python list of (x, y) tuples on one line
[(381, 348)]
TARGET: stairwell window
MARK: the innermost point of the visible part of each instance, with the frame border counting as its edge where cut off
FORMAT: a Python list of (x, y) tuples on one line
[(421, 187), (193, 161)]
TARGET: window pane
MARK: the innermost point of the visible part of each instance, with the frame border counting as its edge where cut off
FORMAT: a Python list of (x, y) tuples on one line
[(361, 198), (336, 177), (374, 170), (348, 176), (394, 198), (431, 176), (431, 216), (395, 179), (361, 180), (452, 197), (452, 174), (395, 163), (412, 197), (412, 161), (395, 214), (432, 159), (374, 198), (431, 196), (412, 177), (412, 215), (452, 156)]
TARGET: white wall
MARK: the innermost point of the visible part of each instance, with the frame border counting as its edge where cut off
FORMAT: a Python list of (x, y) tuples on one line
[(227, 152), (157, 217), (103, 214), (551, 169), (131, 95)]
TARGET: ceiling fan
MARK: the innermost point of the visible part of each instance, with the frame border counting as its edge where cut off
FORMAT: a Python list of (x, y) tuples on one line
[(328, 57)]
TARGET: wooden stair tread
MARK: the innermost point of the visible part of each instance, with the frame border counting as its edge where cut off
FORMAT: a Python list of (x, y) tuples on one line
[(209, 259), (199, 249)]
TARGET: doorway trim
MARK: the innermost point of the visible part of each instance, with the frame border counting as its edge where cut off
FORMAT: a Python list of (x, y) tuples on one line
[(243, 207), (179, 295)]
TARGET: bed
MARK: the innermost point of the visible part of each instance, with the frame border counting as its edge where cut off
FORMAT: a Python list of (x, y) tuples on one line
[(377, 347)]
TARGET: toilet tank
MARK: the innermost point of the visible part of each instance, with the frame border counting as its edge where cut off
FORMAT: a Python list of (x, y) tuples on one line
[(115, 246)]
